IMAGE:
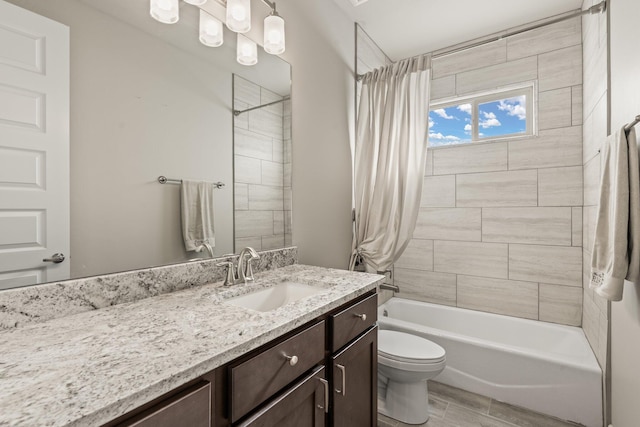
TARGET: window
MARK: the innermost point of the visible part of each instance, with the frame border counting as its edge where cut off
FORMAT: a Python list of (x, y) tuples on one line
[(483, 117)]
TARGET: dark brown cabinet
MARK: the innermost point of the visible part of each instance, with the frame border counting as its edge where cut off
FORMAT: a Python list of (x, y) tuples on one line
[(355, 382), (305, 404), (189, 408)]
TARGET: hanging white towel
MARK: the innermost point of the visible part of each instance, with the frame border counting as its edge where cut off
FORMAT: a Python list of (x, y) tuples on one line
[(197, 216), (616, 247)]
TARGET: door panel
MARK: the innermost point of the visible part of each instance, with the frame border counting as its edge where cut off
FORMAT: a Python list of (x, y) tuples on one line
[(21, 168)]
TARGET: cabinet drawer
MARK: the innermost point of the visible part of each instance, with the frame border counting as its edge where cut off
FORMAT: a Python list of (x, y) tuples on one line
[(304, 404), (191, 407), (257, 379), (352, 321)]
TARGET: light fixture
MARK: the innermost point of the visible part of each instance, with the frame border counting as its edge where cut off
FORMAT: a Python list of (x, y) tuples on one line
[(239, 15), (274, 33), (165, 11), (211, 31), (247, 51), (238, 19)]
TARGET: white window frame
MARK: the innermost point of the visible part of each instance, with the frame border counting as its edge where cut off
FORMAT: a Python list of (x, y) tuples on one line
[(528, 89)]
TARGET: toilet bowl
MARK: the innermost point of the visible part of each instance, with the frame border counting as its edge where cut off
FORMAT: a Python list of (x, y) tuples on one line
[(405, 363)]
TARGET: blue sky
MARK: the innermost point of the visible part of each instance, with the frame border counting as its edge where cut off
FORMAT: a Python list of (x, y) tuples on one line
[(452, 125)]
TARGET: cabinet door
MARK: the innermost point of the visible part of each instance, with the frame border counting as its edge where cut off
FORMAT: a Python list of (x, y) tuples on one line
[(355, 382), (190, 408), (302, 405)]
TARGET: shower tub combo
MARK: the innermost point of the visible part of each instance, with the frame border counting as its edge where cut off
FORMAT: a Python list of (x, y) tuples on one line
[(544, 367)]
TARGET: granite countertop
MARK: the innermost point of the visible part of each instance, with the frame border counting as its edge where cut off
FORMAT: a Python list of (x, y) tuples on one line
[(89, 368)]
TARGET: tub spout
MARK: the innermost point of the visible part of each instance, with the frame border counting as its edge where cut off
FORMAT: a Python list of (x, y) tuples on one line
[(389, 287)]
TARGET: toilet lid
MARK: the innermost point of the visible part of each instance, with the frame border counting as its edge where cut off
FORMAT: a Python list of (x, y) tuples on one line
[(408, 348)]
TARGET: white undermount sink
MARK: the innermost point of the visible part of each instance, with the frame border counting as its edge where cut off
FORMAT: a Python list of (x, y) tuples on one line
[(273, 297)]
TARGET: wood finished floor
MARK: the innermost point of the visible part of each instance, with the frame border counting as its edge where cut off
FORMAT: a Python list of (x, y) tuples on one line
[(453, 407)]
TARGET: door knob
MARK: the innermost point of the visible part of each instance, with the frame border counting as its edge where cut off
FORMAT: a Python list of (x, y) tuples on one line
[(56, 259)]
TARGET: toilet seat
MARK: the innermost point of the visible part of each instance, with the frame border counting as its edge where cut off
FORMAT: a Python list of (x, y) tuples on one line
[(408, 349)]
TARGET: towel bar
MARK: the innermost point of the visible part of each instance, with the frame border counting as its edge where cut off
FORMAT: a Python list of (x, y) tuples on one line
[(164, 180)]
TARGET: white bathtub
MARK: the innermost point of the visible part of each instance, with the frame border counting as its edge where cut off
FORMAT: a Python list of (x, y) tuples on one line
[(545, 367)]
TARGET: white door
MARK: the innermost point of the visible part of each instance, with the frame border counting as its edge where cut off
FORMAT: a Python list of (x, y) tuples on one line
[(34, 147)]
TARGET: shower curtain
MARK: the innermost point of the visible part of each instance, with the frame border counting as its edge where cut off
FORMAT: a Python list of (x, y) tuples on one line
[(389, 163)]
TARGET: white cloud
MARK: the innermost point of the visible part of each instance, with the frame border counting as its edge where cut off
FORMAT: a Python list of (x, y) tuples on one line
[(431, 123), (490, 120), (440, 137), (465, 108), (514, 107), (442, 113), (467, 127)]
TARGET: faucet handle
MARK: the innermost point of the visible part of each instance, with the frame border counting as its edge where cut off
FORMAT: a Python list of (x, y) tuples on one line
[(230, 273)]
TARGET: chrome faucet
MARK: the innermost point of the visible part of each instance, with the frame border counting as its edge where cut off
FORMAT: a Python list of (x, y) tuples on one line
[(243, 273), (245, 270)]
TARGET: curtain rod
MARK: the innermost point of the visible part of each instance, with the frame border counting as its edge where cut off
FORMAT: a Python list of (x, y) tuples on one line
[(598, 8), (238, 112)]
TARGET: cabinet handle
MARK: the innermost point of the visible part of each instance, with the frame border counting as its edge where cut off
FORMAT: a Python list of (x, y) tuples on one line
[(343, 370), (362, 316), (293, 360), (325, 384)]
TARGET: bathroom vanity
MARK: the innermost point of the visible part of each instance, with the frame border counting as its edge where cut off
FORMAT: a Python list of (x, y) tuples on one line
[(299, 379), (194, 358)]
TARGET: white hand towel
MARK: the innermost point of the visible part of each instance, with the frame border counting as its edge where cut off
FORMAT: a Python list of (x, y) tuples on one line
[(616, 247), (197, 215)]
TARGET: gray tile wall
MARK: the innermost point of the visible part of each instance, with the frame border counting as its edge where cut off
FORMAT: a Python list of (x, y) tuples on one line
[(595, 313), (262, 168), (500, 224)]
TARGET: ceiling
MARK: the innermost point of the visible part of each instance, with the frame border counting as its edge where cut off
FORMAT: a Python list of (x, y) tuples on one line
[(404, 28)]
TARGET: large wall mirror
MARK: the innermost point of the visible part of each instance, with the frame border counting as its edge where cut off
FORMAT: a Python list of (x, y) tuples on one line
[(147, 99)]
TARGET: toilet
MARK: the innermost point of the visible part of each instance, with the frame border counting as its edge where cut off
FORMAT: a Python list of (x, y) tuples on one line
[(405, 363)]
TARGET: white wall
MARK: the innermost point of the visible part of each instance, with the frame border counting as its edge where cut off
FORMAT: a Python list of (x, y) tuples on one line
[(625, 315), (320, 48)]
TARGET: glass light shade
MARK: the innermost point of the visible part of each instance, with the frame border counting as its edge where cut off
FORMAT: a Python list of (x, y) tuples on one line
[(247, 51), (274, 34), (196, 2), (211, 31), (239, 15), (165, 11)]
